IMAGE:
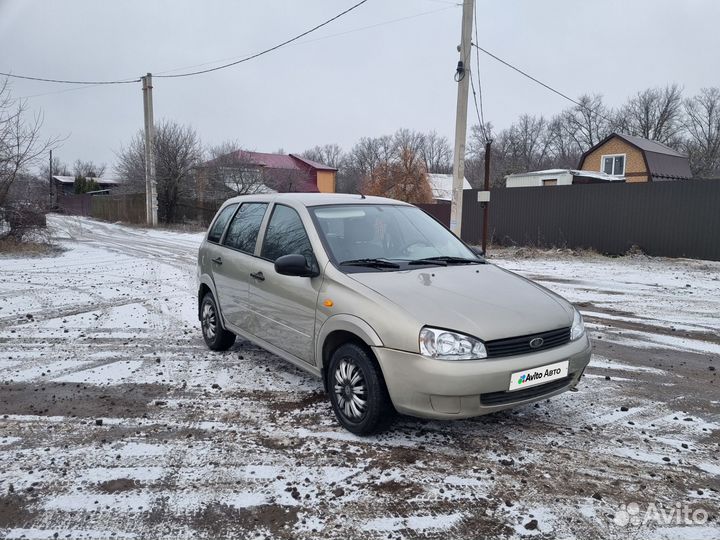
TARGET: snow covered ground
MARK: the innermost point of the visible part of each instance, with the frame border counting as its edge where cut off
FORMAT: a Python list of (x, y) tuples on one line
[(115, 421)]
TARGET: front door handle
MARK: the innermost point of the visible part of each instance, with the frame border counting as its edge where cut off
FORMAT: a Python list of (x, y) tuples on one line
[(258, 275), (217, 260)]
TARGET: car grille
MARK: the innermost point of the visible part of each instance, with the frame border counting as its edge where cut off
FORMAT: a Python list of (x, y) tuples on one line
[(521, 344), (501, 398)]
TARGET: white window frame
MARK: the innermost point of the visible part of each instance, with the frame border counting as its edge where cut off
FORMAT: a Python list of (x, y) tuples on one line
[(602, 163)]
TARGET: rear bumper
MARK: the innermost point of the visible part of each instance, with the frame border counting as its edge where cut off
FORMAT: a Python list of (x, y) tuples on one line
[(427, 388)]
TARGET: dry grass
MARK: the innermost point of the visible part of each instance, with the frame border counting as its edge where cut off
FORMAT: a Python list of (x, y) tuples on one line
[(526, 252), (27, 248)]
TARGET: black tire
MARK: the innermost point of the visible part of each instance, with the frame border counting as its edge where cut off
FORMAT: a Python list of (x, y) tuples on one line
[(216, 337), (360, 408)]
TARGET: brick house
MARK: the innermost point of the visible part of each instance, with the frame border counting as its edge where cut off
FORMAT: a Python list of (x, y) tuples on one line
[(635, 159)]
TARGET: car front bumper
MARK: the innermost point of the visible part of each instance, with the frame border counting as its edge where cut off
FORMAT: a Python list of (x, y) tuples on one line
[(427, 388)]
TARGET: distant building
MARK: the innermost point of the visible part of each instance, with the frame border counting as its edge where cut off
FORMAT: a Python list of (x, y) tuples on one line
[(617, 158), (65, 185), (559, 177), (441, 186), (636, 159), (264, 173)]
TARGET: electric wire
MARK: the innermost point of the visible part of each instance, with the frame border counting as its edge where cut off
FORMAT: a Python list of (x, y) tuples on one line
[(480, 112), (558, 92), (266, 51), (321, 38), (63, 81), (224, 66)]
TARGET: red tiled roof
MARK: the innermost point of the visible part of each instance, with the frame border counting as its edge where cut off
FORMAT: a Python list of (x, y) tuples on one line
[(272, 161), (282, 161)]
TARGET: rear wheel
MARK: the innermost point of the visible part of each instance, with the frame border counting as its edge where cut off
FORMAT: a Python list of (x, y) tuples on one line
[(216, 337), (357, 391)]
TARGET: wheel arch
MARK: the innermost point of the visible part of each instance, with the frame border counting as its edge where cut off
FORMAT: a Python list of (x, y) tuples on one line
[(340, 329), (207, 286)]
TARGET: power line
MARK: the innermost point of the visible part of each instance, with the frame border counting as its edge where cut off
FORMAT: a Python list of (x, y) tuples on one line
[(558, 92), (480, 113), (328, 36), (266, 51), (138, 79), (63, 91), (481, 121), (63, 81)]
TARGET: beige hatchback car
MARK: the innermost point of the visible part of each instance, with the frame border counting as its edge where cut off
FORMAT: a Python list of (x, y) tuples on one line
[(390, 309)]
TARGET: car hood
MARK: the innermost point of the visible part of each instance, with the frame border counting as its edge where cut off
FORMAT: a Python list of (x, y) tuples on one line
[(481, 300)]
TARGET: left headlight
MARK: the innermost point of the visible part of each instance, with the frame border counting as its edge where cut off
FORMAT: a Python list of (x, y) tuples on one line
[(578, 327), (446, 345)]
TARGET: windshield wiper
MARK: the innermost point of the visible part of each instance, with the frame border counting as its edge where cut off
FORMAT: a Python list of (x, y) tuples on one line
[(432, 260), (372, 263), (453, 260)]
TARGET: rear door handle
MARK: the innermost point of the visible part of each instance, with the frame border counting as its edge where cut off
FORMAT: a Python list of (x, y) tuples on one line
[(258, 275), (217, 260)]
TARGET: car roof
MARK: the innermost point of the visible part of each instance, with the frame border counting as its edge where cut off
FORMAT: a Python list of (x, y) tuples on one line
[(316, 199)]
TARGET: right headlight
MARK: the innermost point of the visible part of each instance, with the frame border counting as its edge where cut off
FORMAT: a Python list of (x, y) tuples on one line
[(447, 345), (578, 327)]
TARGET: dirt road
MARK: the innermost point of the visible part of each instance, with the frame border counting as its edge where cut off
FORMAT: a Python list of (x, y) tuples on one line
[(116, 422)]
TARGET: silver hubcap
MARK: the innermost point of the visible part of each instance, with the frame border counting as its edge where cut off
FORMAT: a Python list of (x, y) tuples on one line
[(209, 322), (350, 389)]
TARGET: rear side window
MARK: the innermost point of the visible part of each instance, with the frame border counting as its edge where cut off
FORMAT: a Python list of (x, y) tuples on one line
[(286, 235), (219, 226), (245, 226)]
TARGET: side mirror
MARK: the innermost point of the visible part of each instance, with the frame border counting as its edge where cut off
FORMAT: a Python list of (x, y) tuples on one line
[(294, 265), (478, 251)]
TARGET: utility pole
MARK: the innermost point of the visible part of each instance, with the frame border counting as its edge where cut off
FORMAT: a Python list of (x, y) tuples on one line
[(462, 77), (486, 204), (150, 183), (50, 179)]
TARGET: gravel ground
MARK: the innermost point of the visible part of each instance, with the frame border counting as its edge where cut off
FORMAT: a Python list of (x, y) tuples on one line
[(117, 422)]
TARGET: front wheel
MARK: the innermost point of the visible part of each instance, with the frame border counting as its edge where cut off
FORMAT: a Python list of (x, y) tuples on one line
[(357, 391), (216, 337)]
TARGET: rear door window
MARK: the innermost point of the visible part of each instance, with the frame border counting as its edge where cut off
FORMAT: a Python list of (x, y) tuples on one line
[(219, 226), (245, 227)]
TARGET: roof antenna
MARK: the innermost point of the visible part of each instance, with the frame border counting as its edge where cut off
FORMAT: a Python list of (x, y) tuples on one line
[(360, 193)]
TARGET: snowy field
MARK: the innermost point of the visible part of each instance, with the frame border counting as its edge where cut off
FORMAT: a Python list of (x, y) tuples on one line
[(117, 422)]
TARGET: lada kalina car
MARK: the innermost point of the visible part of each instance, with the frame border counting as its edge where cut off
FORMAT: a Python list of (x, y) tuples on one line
[(390, 309)]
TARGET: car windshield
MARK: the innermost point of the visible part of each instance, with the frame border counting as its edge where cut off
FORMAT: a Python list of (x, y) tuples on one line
[(376, 236)]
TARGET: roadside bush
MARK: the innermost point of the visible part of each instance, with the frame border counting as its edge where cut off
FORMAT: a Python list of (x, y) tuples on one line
[(21, 222)]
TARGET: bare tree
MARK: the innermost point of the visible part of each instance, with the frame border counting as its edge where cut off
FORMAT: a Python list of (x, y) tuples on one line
[(58, 169), (177, 153), (21, 145), (367, 154), (502, 160), (406, 140), (88, 169), (229, 169), (655, 114), (529, 142), (587, 123), (702, 123), (436, 153), (327, 154), (562, 147)]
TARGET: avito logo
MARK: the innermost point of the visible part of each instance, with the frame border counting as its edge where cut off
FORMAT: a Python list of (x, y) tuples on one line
[(527, 377)]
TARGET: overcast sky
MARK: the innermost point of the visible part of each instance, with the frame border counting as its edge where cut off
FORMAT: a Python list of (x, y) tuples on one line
[(359, 76)]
